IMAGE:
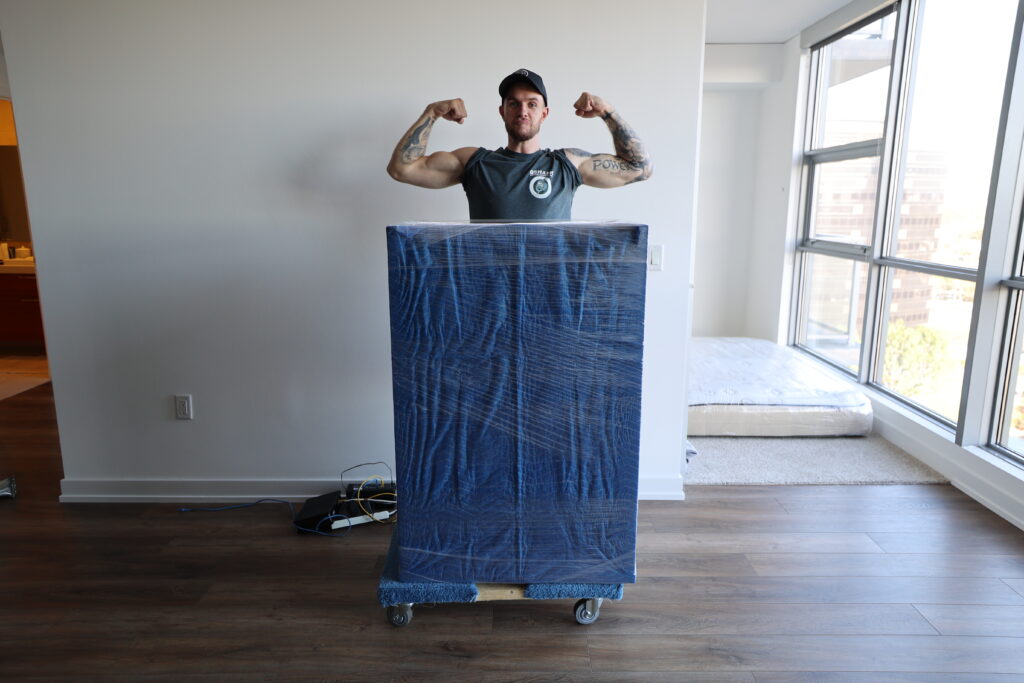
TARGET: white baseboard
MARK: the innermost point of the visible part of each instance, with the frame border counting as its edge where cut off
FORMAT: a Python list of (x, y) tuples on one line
[(661, 488), (244, 490), (191, 490), (984, 476)]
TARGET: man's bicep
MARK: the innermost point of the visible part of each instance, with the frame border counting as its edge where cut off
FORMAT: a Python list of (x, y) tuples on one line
[(440, 169), (577, 156), (607, 170), (444, 169)]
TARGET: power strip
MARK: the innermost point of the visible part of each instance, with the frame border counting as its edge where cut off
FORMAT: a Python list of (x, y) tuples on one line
[(362, 519)]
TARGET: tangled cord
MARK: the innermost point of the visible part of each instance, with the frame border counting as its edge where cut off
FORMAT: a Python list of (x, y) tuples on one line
[(291, 507), (379, 497)]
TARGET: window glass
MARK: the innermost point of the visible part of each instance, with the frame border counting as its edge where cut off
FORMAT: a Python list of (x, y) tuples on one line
[(833, 313), (959, 78), (854, 83), (844, 200), (1011, 430), (927, 322)]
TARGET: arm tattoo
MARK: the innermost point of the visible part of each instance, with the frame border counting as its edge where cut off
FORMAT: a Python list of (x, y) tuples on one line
[(576, 152), (628, 147), (415, 145), (610, 163)]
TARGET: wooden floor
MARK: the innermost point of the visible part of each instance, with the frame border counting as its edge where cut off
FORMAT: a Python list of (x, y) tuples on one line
[(21, 370), (860, 583)]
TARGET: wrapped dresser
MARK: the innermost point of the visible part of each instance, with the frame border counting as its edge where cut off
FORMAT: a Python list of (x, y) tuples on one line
[(516, 356)]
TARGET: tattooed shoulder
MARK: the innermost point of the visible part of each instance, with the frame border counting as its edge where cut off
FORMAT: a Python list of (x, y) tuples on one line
[(576, 152)]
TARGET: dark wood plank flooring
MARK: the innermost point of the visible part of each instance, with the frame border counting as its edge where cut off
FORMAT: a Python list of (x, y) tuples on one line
[(767, 584)]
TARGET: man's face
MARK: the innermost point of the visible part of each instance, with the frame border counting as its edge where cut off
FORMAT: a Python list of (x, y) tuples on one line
[(523, 111)]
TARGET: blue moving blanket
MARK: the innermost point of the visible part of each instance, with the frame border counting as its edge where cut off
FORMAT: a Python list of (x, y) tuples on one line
[(516, 358), (391, 591)]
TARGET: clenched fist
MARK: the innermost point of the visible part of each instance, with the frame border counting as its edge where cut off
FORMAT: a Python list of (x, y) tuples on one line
[(588, 106), (452, 110)]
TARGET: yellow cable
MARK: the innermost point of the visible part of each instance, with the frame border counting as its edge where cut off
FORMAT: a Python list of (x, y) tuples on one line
[(394, 515), (359, 498), (359, 495)]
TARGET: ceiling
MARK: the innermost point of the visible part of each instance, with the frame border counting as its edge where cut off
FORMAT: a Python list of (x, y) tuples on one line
[(758, 21)]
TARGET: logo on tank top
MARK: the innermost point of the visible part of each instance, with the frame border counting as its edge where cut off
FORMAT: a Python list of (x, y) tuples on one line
[(540, 184)]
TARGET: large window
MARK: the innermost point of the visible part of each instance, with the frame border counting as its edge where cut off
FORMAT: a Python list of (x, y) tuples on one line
[(903, 134), (927, 321), (1007, 430), (851, 76), (833, 312)]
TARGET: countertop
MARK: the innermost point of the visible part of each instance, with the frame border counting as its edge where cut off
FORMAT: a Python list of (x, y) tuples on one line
[(17, 267)]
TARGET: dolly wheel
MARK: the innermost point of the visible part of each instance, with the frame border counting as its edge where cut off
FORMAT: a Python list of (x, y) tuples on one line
[(400, 615), (587, 611)]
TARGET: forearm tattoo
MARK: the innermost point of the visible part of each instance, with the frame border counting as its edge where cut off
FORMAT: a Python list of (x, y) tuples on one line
[(628, 148), (415, 144)]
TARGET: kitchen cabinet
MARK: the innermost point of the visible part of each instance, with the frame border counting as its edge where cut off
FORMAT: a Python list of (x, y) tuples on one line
[(21, 321)]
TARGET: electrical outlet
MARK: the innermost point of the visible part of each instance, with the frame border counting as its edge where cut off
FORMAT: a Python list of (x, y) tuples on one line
[(183, 406), (655, 256)]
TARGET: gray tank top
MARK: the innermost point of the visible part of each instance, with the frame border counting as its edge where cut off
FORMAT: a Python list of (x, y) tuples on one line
[(504, 185)]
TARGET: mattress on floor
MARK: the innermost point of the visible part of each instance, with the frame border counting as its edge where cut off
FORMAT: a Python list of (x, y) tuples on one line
[(516, 364), (753, 387)]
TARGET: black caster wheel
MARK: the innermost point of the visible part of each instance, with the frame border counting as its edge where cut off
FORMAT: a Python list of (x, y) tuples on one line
[(399, 615), (587, 611)]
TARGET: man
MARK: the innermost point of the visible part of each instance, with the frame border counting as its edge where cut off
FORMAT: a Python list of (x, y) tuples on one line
[(520, 181)]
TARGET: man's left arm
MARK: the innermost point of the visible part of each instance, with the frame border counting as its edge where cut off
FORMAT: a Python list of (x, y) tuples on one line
[(629, 164)]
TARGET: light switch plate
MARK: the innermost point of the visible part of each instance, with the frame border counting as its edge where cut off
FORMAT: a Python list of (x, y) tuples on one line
[(655, 256)]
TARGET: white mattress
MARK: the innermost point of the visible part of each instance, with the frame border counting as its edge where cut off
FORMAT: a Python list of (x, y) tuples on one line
[(752, 387)]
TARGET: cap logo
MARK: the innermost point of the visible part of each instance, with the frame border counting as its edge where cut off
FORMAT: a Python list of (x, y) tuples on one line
[(523, 72)]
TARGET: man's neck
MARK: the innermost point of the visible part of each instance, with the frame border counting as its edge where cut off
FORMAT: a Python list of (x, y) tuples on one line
[(527, 147)]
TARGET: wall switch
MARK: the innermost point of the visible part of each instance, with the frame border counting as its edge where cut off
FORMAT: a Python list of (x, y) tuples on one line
[(655, 256), (183, 406)]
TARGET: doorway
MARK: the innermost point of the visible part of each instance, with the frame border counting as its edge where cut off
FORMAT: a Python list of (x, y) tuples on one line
[(23, 361)]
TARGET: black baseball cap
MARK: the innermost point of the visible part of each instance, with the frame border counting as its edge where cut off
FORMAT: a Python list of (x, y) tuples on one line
[(523, 76)]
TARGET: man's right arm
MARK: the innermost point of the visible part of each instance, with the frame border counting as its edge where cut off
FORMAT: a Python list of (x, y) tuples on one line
[(410, 163)]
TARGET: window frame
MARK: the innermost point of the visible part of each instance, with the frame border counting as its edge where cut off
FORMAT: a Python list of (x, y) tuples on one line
[(811, 158), (803, 269), (999, 305)]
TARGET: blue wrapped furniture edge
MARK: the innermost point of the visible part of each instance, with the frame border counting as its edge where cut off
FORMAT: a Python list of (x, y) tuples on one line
[(391, 591)]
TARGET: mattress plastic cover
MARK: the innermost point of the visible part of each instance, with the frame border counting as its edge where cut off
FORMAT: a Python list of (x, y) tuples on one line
[(516, 360), (753, 387)]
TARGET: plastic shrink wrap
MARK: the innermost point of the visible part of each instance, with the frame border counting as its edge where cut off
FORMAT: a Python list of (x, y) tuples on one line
[(516, 359)]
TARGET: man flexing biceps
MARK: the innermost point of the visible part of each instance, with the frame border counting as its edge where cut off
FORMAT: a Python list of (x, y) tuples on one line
[(520, 181)]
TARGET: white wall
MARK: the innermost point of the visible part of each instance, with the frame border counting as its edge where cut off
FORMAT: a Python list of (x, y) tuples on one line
[(776, 199), (749, 187), (207, 192), (730, 133)]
